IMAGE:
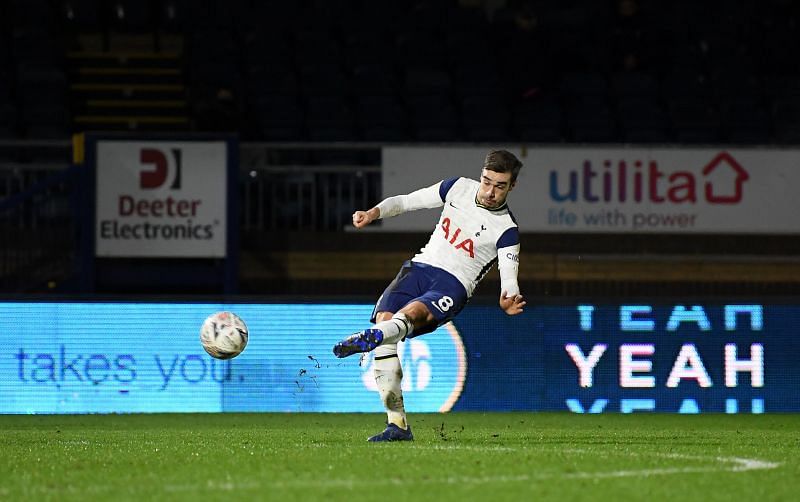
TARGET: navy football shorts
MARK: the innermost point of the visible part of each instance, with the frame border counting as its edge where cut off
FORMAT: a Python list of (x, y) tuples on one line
[(439, 290)]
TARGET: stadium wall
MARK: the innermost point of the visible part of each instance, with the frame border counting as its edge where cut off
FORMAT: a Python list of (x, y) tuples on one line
[(581, 356)]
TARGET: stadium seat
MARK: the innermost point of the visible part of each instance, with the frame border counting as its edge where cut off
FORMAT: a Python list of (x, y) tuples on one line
[(323, 79), (688, 57), (468, 20), (736, 86), (279, 118), (780, 53), (216, 73), (171, 15), (694, 121), (684, 85), (41, 84), (267, 79), (367, 48), (273, 17), (485, 118), (420, 50), (590, 120), (434, 118), (537, 120), (24, 15), (782, 87), (316, 48), (341, 132), (48, 121), (641, 120), (478, 80), (577, 86), (572, 52), (634, 85), (36, 46), (786, 118), (129, 15), (426, 81), (424, 17), (272, 48), (469, 49), (8, 120), (325, 114), (386, 133), (83, 15), (746, 121), (647, 136), (212, 43), (382, 118), (377, 79)]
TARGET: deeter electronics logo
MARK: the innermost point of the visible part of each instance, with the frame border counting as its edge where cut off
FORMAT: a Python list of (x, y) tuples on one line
[(161, 165)]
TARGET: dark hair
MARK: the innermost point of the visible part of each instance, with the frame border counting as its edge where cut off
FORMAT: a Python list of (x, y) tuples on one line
[(502, 161)]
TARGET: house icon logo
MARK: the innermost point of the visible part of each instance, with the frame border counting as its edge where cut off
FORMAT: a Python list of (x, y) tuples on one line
[(722, 170)]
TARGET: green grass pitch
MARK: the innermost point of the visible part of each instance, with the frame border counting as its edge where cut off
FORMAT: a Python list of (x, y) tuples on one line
[(456, 456)]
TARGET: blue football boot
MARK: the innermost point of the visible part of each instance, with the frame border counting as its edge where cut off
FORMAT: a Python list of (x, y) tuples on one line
[(362, 341), (393, 433)]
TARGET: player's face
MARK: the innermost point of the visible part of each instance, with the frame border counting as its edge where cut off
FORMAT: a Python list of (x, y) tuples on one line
[(494, 188)]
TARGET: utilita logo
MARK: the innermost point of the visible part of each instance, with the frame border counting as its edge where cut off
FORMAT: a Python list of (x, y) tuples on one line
[(157, 175), (720, 182)]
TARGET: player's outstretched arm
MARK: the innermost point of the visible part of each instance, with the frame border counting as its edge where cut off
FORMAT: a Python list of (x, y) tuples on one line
[(363, 218), (512, 304)]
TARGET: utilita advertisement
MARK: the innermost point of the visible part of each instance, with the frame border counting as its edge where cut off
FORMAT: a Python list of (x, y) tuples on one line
[(618, 190), (161, 199)]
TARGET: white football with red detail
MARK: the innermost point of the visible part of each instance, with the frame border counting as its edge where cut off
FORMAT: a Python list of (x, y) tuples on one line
[(224, 335)]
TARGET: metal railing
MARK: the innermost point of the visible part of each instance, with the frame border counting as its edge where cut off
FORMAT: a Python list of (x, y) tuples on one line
[(38, 233), (306, 186), (313, 198), (25, 163)]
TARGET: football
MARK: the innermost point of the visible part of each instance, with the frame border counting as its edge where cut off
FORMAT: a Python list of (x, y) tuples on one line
[(224, 335)]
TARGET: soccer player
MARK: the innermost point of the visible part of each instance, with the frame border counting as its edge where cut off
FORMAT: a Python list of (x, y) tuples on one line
[(475, 230)]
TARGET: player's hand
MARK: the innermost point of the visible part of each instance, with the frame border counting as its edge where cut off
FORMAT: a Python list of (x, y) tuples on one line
[(362, 219), (512, 305)]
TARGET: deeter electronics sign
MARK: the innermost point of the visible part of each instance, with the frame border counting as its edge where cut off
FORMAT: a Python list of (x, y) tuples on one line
[(161, 199)]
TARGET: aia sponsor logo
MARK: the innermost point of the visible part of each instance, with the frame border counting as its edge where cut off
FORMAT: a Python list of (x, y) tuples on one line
[(452, 235), (160, 167), (721, 181)]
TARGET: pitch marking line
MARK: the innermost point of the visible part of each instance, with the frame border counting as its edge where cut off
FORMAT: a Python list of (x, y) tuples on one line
[(719, 464), (724, 464)]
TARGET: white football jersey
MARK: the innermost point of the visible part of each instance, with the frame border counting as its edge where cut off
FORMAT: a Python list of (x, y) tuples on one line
[(468, 238)]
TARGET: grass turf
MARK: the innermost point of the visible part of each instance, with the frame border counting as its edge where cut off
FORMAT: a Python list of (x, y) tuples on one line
[(457, 456)]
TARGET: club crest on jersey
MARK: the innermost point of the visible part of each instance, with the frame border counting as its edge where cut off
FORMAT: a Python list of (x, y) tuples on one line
[(466, 244)]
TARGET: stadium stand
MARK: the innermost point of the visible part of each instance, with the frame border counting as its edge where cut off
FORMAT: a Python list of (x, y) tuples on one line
[(703, 73)]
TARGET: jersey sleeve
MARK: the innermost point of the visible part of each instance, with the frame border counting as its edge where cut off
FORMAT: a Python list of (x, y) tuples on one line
[(508, 261), (424, 198), (445, 186)]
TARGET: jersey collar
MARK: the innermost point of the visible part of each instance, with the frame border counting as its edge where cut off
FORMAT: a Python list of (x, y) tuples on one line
[(493, 209)]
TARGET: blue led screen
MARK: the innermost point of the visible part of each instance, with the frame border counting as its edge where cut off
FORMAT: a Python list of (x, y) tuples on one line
[(727, 357), (146, 357), (724, 357)]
